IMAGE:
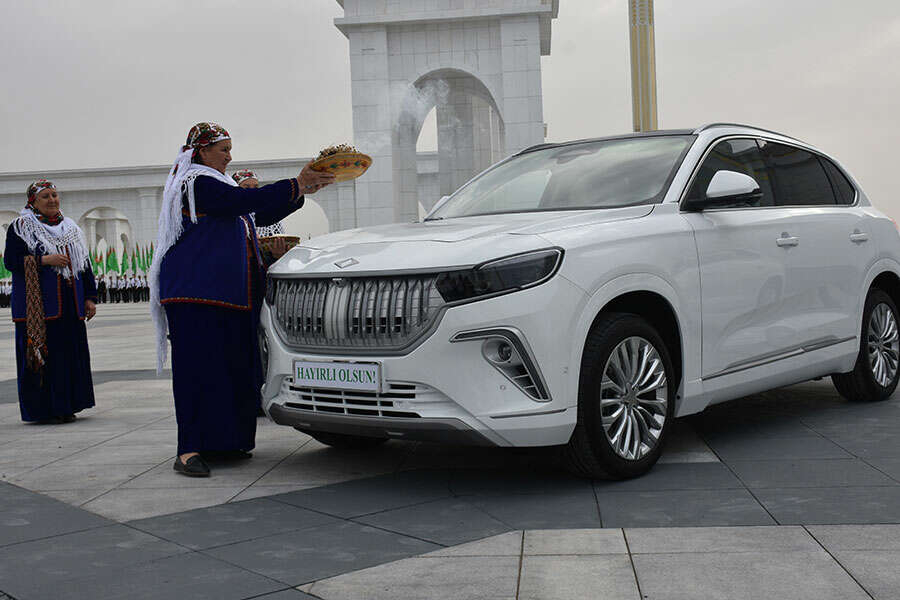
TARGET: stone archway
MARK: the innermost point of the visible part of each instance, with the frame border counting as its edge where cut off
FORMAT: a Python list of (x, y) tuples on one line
[(107, 224), (6, 219), (488, 56), (308, 222), (470, 131)]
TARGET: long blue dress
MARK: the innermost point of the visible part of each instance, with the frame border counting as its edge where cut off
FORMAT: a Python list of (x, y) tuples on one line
[(211, 288), (67, 387)]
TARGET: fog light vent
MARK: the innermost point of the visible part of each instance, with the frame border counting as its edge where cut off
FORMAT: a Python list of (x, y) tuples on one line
[(507, 351)]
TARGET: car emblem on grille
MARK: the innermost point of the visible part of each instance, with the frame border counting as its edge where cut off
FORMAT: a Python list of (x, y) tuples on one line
[(339, 281), (347, 262)]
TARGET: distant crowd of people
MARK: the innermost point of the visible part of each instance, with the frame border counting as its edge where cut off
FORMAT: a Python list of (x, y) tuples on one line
[(5, 293), (122, 289)]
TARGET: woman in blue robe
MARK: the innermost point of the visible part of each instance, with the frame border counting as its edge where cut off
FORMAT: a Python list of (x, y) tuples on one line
[(206, 291), (53, 294)]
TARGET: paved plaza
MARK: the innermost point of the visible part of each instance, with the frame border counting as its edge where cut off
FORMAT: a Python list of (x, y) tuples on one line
[(789, 494)]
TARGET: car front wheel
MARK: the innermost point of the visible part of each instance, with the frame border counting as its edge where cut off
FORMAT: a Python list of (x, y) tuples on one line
[(875, 375), (625, 400)]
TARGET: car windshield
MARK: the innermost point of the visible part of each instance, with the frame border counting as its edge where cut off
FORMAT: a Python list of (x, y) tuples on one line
[(589, 175)]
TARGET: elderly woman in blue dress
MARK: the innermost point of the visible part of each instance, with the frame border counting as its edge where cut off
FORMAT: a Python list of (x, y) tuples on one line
[(53, 294), (206, 285), (277, 247)]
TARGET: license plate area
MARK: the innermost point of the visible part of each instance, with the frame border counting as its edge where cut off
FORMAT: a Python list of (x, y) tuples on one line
[(336, 375)]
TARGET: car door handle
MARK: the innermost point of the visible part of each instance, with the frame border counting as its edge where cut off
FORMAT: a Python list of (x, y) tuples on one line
[(858, 237), (787, 240)]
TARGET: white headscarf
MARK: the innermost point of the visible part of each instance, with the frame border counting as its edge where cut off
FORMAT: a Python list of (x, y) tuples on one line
[(64, 238), (171, 226)]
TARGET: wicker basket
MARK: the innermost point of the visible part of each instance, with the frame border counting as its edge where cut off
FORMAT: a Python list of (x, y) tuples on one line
[(265, 243), (344, 166)]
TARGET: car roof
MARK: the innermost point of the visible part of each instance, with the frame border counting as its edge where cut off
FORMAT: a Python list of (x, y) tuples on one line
[(658, 133)]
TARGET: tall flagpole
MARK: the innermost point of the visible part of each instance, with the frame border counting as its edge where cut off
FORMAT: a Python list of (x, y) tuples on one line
[(643, 64)]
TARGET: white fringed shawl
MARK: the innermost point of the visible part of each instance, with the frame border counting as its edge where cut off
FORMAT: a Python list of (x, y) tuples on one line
[(181, 180), (65, 238)]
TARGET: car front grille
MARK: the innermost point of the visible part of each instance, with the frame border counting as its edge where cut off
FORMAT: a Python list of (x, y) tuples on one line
[(377, 313), (388, 403)]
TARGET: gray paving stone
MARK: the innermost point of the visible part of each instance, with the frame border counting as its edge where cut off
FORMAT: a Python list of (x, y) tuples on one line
[(565, 509), (808, 473), (577, 577), (878, 443), (665, 540), (775, 448), (447, 522), (93, 553), (518, 481), (727, 576), (312, 554), (460, 578), (124, 504), (291, 594), (505, 544), (832, 506), (32, 516), (888, 466), (372, 495), (230, 523), (875, 570), (574, 541), (677, 508), (857, 537), (692, 476), (192, 576), (74, 477)]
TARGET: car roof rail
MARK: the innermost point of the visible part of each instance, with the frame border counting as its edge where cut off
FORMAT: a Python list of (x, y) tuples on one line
[(711, 125)]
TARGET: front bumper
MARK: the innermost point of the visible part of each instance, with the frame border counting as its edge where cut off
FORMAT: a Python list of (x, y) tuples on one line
[(448, 391)]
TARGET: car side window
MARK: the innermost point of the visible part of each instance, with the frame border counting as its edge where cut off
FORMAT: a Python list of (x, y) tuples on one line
[(843, 189), (741, 155), (798, 176)]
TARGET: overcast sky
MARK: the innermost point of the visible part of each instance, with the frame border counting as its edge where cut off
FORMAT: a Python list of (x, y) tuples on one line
[(101, 83)]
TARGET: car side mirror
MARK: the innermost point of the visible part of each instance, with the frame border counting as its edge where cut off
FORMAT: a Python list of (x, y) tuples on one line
[(727, 188)]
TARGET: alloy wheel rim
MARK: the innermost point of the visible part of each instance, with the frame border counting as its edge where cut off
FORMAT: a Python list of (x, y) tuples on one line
[(883, 345), (634, 398)]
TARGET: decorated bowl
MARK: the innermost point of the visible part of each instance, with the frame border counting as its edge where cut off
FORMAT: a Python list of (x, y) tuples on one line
[(343, 165)]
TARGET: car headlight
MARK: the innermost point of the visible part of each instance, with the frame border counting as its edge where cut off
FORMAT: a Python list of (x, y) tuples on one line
[(500, 276)]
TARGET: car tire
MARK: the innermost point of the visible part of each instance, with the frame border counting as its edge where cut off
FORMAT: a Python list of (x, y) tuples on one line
[(342, 440), (592, 451), (875, 375)]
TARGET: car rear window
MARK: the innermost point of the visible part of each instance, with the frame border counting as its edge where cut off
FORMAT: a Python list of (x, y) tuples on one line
[(843, 189), (798, 176)]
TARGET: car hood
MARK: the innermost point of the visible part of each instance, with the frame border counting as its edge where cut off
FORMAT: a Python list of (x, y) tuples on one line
[(433, 245)]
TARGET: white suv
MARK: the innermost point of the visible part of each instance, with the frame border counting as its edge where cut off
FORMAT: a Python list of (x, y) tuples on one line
[(585, 294)]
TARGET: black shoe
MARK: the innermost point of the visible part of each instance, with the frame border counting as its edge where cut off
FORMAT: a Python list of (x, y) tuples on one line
[(194, 467), (69, 419)]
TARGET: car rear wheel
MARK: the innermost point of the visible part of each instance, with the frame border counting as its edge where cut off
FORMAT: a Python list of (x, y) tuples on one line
[(341, 440), (626, 398), (874, 377)]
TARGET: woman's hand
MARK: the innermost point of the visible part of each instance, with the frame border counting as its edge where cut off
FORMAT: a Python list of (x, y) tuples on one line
[(55, 260), (90, 309), (278, 248), (312, 181)]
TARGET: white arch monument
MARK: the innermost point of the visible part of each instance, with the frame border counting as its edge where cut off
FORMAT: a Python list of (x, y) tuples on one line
[(477, 61)]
